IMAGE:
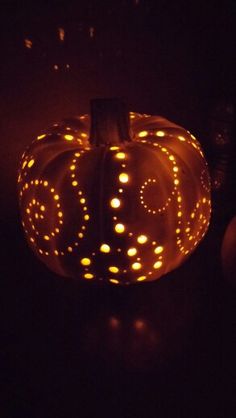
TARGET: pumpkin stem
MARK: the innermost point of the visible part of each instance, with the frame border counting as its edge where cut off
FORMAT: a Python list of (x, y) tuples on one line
[(109, 122)]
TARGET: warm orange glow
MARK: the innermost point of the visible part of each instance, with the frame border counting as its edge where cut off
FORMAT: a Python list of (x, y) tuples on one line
[(136, 266), (115, 202), (159, 249), (139, 324), (160, 133), (28, 43), (119, 228), (84, 135), (132, 251), (141, 278), (68, 137), (114, 281), (88, 276), (105, 248), (61, 34), (113, 269), (120, 155), (114, 322), (41, 137), (85, 261), (130, 217), (142, 134), (142, 239), (124, 178), (30, 163), (158, 264)]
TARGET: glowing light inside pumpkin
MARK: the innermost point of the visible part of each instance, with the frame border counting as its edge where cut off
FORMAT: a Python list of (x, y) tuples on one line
[(158, 264), (85, 261), (30, 163), (136, 266), (113, 269), (68, 137), (119, 228), (160, 134), (105, 248), (88, 276), (114, 281), (142, 239), (142, 134), (41, 137), (141, 278), (123, 178), (120, 155), (115, 202), (132, 251), (159, 249)]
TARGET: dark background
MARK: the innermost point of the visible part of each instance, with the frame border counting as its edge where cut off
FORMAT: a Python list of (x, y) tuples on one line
[(159, 349)]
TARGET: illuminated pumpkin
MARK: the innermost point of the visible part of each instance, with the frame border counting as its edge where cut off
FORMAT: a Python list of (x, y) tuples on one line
[(118, 197)]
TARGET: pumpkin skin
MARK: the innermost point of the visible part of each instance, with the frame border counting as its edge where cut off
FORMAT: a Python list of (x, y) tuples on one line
[(120, 211)]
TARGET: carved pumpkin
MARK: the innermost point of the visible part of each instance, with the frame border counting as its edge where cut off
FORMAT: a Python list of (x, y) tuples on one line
[(117, 197)]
